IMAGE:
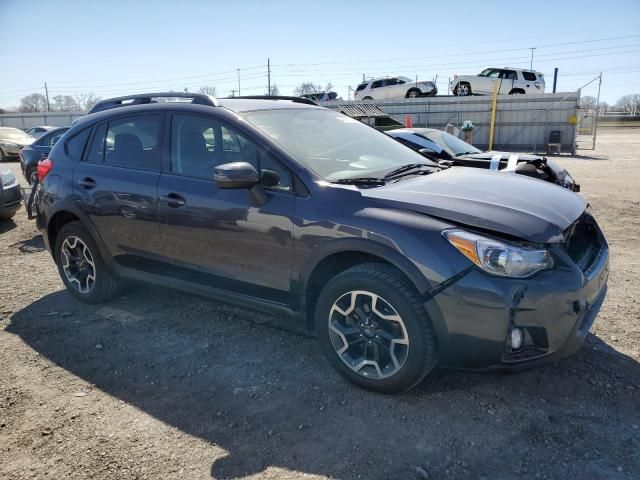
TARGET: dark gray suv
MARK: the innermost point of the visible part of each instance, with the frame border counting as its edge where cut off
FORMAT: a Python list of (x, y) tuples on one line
[(397, 264)]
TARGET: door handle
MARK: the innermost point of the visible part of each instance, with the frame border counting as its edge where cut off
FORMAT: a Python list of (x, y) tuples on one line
[(174, 200), (88, 183)]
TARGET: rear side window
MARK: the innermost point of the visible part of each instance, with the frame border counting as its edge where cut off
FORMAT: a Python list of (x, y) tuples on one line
[(96, 150), (134, 142), (75, 145), (529, 76)]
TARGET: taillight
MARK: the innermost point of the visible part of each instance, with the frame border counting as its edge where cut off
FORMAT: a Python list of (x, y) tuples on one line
[(44, 167)]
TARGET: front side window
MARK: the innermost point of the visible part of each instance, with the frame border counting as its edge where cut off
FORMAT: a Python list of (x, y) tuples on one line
[(362, 86), (376, 84), (134, 142), (199, 144), (331, 144)]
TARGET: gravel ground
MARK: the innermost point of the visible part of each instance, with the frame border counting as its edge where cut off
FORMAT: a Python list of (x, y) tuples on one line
[(158, 384)]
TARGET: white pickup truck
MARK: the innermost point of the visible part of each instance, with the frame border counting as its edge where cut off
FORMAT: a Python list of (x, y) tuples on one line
[(511, 81)]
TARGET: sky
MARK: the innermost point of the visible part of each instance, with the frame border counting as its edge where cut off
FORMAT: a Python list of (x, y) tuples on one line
[(122, 47)]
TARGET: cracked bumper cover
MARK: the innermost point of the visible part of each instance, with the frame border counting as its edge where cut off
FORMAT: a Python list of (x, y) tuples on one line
[(555, 308)]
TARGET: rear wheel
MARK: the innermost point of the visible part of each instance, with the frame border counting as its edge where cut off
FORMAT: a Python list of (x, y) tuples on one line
[(32, 176), (413, 93), (374, 330), (81, 266), (462, 89), (368, 98), (516, 91), (2, 156)]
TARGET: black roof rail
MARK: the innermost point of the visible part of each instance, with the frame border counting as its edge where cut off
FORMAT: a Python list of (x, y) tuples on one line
[(278, 97), (144, 98)]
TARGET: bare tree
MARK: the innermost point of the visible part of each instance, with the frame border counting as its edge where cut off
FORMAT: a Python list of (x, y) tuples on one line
[(36, 102), (86, 101), (65, 103), (275, 91), (307, 87), (208, 90), (588, 102), (629, 103)]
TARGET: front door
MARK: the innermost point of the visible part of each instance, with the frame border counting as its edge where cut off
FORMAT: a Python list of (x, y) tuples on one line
[(116, 186), (220, 237)]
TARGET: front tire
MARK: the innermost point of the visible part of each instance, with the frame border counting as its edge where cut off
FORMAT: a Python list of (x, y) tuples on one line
[(413, 93), (2, 156), (81, 266), (374, 330)]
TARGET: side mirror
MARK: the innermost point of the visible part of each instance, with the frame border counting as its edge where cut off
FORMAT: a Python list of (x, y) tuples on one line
[(270, 178), (427, 152), (235, 175)]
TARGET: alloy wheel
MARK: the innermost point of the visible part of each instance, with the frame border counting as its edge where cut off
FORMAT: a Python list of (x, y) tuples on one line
[(368, 334), (78, 264), (413, 94), (463, 90)]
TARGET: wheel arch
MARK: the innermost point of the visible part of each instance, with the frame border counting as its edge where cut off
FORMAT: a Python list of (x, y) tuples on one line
[(65, 214), (343, 254)]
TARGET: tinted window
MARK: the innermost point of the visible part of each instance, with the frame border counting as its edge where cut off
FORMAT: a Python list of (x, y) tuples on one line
[(198, 144), (96, 150), (529, 76), (509, 75), (76, 144), (376, 84), (51, 140), (134, 142), (362, 86)]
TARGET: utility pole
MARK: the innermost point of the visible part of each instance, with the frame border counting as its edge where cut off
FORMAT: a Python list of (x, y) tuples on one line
[(268, 76), (233, 93), (531, 65), (238, 81), (186, 90), (46, 91)]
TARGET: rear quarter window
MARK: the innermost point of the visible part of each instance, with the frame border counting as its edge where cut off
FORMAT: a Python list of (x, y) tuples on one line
[(76, 144), (529, 76)]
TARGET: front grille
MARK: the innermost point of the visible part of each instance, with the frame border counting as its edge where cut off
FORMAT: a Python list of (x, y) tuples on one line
[(583, 242)]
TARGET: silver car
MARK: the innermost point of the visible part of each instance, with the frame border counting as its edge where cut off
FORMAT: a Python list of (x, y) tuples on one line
[(11, 141)]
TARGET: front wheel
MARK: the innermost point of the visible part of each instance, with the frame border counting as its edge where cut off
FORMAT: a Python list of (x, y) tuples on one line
[(413, 93), (374, 330), (81, 265)]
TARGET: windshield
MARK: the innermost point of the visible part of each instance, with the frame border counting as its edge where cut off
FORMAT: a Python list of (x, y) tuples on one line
[(14, 134), (333, 145), (485, 72), (453, 145)]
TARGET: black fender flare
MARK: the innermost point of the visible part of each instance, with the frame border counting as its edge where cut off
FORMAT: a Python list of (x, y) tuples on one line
[(67, 205)]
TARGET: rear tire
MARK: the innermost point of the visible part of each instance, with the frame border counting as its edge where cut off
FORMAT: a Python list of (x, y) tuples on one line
[(516, 91), (368, 98), (2, 156), (32, 175), (463, 89), (81, 266), (374, 330)]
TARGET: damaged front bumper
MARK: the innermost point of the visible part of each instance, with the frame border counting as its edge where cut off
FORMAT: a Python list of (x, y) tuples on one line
[(554, 311)]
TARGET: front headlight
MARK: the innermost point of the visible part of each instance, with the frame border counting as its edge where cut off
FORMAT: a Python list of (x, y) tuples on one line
[(8, 144), (498, 257), (8, 178)]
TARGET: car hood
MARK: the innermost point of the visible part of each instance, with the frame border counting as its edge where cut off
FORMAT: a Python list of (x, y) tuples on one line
[(20, 141), (526, 208), (522, 157)]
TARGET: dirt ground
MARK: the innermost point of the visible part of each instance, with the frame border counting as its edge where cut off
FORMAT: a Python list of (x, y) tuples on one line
[(163, 385)]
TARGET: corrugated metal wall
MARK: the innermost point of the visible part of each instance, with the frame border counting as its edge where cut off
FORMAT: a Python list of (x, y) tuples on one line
[(27, 120), (523, 122)]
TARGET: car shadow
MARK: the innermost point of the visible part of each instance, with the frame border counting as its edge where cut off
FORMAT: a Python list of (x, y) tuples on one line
[(33, 245), (267, 396), (7, 226)]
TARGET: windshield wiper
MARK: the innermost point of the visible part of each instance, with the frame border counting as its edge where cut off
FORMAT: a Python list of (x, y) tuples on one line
[(465, 153), (405, 168), (371, 181)]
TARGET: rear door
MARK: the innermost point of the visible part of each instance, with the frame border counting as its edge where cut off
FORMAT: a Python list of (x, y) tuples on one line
[(220, 237), (116, 186)]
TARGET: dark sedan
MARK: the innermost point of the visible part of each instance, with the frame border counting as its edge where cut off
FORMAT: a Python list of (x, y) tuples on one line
[(449, 150), (30, 155)]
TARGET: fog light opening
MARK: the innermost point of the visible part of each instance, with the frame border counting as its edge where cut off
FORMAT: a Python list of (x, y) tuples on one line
[(516, 338)]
